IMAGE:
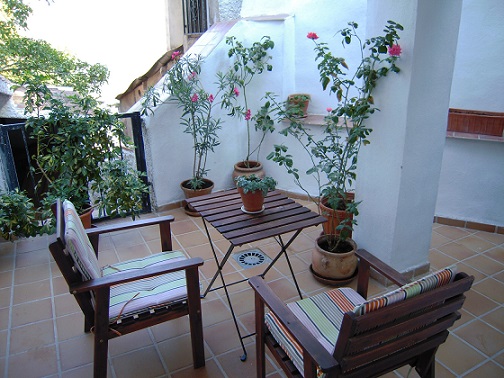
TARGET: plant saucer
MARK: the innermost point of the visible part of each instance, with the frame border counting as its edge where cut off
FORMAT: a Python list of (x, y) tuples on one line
[(252, 212)]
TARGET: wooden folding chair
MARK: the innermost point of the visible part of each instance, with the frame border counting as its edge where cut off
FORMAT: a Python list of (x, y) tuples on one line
[(341, 334), (130, 295)]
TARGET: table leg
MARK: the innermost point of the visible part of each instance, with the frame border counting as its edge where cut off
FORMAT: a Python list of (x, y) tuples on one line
[(220, 266), (284, 251)]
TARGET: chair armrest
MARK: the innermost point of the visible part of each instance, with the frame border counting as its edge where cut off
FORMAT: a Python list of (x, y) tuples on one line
[(98, 230), (164, 230), (123, 277), (368, 261), (303, 337)]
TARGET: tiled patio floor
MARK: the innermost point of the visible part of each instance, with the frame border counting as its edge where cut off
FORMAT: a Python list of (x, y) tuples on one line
[(41, 327)]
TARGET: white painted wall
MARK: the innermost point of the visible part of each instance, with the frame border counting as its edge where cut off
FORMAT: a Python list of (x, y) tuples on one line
[(471, 187), (295, 71)]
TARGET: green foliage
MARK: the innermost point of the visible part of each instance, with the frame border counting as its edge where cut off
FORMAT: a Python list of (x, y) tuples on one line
[(120, 189), (247, 62), (78, 146), (252, 183), (18, 216), (34, 64), (334, 155)]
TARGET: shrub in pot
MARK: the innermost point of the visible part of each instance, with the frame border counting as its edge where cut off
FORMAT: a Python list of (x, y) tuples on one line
[(252, 190), (334, 154)]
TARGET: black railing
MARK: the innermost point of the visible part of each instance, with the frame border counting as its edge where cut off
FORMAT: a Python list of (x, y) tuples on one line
[(16, 149), (195, 16)]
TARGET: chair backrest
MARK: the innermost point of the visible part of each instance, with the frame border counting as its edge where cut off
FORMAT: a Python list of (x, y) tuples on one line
[(74, 254), (403, 324)]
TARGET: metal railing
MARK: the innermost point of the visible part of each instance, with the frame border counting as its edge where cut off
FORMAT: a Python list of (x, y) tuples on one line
[(195, 16)]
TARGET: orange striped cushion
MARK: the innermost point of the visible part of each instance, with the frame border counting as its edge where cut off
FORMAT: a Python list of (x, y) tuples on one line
[(422, 285), (321, 314)]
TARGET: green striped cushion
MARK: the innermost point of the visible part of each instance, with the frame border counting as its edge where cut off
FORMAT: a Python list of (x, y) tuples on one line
[(422, 285), (321, 314), (138, 296), (78, 244)]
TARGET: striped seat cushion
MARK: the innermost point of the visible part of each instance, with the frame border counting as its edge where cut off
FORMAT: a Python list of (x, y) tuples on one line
[(321, 314), (78, 244), (422, 285), (138, 296)]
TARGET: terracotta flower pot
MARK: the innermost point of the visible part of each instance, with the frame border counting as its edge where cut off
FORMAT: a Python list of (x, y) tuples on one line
[(334, 265), (247, 168), (252, 201), (87, 217), (190, 193), (334, 217)]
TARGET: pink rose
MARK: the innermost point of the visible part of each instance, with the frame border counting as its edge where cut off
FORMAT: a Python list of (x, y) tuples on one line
[(329, 110), (236, 91), (175, 54), (312, 35), (211, 98), (194, 97), (192, 75), (247, 115), (394, 50)]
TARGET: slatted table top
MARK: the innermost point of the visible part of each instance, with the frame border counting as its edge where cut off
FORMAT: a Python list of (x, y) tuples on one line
[(281, 215)]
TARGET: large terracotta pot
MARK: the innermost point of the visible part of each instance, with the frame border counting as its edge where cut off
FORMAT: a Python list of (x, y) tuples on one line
[(334, 217), (190, 193), (247, 168), (87, 217), (334, 265), (252, 201)]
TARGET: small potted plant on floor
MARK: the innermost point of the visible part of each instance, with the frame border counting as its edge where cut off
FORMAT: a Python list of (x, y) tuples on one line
[(334, 154), (252, 190), (183, 84)]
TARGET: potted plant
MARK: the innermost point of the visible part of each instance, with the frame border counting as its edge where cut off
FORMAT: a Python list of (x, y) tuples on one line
[(183, 83), (75, 143), (298, 104), (334, 154), (252, 190), (248, 62), (19, 217)]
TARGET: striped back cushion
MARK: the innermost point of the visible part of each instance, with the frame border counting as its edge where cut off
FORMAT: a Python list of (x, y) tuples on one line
[(78, 244), (422, 285), (321, 314), (137, 296)]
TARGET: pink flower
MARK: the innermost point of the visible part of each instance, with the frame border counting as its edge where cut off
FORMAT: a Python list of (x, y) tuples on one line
[(175, 54), (211, 98), (194, 97), (394, 50), (247, 115), (312, 35), (329, 110), (236, 91), (192, 75)]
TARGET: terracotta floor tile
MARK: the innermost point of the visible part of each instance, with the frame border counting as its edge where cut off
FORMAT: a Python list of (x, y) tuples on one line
[(210, 370), (438, 240), (464, 359), (77, 351), (456, 251), (30, 312), (4, 318), (3, 343), (127, 239), (31, 274), (5, 297), (130, 342), (222, 337), (140, 363), (484, 264), (477, 304), (491, 288), (452, 233), (440, 260), (183, 227), (488, 369), (32, 291), (31, 336), (495, 318), (491, 237), (214, 311), (173, 328), (475, 243), (69, 326), (496, 253), (37, 362), (482, 336)]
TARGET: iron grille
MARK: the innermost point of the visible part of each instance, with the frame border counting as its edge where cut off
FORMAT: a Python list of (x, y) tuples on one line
[(195, 16)]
